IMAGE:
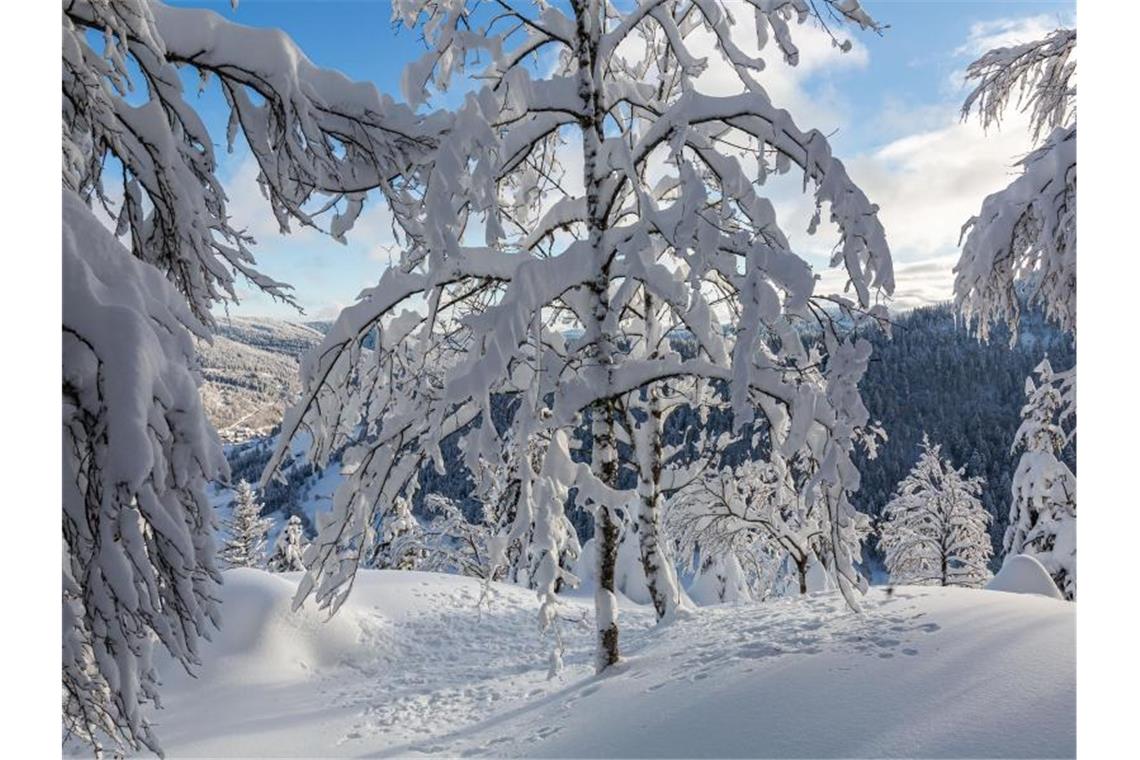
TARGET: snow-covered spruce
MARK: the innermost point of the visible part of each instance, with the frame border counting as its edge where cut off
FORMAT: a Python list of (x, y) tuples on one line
[(934, 529), (289, 549), (400, 547), (138, 547), (1023, 242), (247, 529), (506, 252), (1043, 512)]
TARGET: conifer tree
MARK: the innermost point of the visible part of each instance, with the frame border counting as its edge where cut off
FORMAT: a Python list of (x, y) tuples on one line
[(1043, 513), (401, 545), (247, 529)]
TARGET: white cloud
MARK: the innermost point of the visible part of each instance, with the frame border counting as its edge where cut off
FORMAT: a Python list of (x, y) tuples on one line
[(1005, 32), (919, 284), (926, 184), (247, 207), (324, 273), (929, 182), (329, 312)]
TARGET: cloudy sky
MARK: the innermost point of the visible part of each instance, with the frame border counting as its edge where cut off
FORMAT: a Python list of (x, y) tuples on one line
[(890, 106)]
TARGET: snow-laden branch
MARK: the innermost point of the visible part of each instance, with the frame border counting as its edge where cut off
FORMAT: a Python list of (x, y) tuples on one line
[(312, 131), (1022, 245), (1035, 76), (138, 565), (527, 267)]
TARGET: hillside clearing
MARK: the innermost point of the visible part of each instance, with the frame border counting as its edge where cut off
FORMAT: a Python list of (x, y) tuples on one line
[(413, 664)]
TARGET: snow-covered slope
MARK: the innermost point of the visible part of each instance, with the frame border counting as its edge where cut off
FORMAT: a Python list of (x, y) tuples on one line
[(251, 372), (413, 665)]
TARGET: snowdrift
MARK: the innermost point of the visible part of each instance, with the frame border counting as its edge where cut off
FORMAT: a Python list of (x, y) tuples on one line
[(423, 664), (1023, 574)]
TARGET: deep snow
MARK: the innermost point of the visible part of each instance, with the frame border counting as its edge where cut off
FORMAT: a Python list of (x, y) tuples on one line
[(413, 665), (1023, 574)]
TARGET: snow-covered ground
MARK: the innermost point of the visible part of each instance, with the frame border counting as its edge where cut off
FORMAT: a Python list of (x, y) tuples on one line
[(414, 664)]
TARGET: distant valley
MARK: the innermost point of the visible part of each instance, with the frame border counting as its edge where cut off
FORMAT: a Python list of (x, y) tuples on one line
[(251, 372)]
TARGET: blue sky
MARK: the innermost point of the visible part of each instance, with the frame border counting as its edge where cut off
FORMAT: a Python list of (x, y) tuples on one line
[(890, 105)]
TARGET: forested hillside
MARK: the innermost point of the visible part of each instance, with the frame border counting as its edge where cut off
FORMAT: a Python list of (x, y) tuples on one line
[(929, 376)]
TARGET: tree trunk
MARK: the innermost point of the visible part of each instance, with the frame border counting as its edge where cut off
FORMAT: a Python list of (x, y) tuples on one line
[(660, 581), (588, 21), (660, 576), (944, 547), (801, 570)]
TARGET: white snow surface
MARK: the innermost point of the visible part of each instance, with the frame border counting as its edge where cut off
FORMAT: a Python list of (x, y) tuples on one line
[(1024, 574), (411, 665)]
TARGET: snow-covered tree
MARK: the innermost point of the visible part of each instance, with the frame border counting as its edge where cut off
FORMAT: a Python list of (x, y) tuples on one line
[(720, 579), (138, 451), (1022, 245), (506, 249), (247, 530), (137, 527), (934, 529), (755, 513), (1043, 512), (454, 544), (400, 545), (289, 549)]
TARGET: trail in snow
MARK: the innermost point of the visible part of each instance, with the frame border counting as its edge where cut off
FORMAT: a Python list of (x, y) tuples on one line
[(414, 664)]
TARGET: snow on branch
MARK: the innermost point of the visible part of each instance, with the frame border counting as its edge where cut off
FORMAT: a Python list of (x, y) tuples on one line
[(527, 263), (1036, 76), (138, 451), (1021, 247), (312, 131)]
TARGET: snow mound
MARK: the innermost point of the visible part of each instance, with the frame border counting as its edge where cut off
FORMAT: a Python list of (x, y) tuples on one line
[(263, 640), (1023, 574)]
